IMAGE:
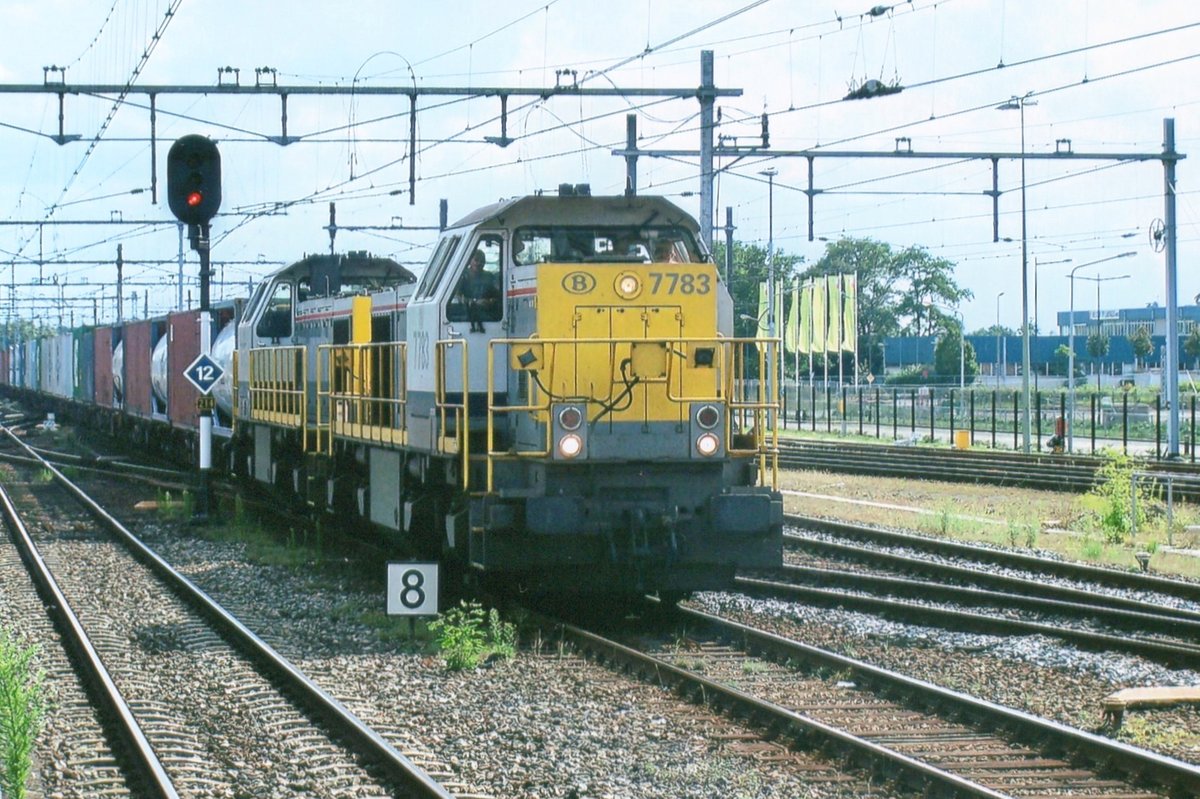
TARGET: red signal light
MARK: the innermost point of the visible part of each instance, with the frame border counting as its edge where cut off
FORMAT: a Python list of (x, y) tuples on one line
[(194, 198)]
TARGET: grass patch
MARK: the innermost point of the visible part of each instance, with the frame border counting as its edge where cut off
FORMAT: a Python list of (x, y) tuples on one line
[(1141, 730), (1019, 514), (947, 522), (298, 548), (22, 711), (171, 509)]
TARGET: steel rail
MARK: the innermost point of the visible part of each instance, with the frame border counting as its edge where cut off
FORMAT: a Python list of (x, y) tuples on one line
[(87, 660), (1134, 620), (921, 468), (976, 455), (1062, 568), (332, 712), (777, 718), (1176, 654), (1049, 472), (1015, 585), (1168, 772)]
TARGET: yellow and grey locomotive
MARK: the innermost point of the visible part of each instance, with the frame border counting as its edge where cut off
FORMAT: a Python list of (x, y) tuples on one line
[(559, 399)]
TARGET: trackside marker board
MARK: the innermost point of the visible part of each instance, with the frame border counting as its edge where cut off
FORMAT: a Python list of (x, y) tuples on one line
[(412, 589), (203, 373)]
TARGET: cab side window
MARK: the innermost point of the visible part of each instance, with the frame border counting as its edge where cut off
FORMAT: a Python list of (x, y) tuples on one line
[(436, 267), (276, 319), (478, 295)]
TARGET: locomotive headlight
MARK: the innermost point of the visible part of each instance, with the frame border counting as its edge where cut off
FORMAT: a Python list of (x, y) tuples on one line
[(570, 445), (707, 416), (570, 418), (708, 444), (628, 285)]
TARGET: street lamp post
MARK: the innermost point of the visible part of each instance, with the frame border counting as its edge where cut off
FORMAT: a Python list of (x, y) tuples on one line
[(770, 173), (1018, 104), (998, 296), (1071, 341), (962, 357)]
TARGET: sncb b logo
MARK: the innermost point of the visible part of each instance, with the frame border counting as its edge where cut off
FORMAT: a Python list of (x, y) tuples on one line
[(579, 283)]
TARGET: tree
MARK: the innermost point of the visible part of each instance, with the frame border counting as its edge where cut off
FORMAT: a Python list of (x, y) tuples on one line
[(1191, 346), (1141, 344), (993, 331), (1062, 360), (946, 354), (749, 270), (1097, 347), (892, 289)]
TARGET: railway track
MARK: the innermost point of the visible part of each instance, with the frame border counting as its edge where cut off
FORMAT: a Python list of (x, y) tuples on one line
[(1047, 472), (864, 543), (887, 579), (930, 739), (252, 722), (877, 594)]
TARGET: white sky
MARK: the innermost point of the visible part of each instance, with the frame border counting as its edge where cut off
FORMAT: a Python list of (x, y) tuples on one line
[(794, 60)]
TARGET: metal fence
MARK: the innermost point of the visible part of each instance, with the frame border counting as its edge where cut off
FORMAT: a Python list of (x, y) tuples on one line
[(1133, 421)]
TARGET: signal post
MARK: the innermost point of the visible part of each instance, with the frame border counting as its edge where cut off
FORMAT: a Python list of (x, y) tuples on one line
[(194, 196)]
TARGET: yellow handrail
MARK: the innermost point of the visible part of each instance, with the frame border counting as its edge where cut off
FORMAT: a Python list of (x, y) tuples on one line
[(759, 415), (362, 390), (277, 386), (458, 411)]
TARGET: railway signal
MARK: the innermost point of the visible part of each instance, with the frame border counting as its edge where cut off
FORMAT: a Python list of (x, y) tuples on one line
[(194, 195), (194, 179)]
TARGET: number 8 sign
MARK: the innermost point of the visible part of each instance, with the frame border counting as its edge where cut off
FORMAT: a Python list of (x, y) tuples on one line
[(412, 589)]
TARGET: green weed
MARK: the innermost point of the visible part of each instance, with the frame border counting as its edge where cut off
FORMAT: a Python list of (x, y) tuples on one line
[(1111, 502), (945, 520), (22, 711), (466, 636), (1022, 532)]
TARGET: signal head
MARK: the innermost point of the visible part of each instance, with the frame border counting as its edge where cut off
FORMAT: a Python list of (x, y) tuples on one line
[(194, 179)]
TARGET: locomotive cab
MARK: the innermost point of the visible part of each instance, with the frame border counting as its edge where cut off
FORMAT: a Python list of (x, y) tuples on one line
[(284, 376), (620, 446)]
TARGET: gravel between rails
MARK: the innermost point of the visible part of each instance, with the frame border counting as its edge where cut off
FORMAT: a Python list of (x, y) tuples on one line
[(218, 726), (546, 724)]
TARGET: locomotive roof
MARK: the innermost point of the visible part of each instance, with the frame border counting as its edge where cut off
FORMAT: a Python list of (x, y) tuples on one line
[(326, 273), (555, 210)]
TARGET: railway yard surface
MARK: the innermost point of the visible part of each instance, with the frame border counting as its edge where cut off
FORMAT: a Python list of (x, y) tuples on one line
[(552, 722)]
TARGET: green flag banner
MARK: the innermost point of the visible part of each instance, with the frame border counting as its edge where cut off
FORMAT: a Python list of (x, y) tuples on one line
[(850, 313), (806, 317), (762, 310), (820, 323), (833, 334), (791, 331)]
